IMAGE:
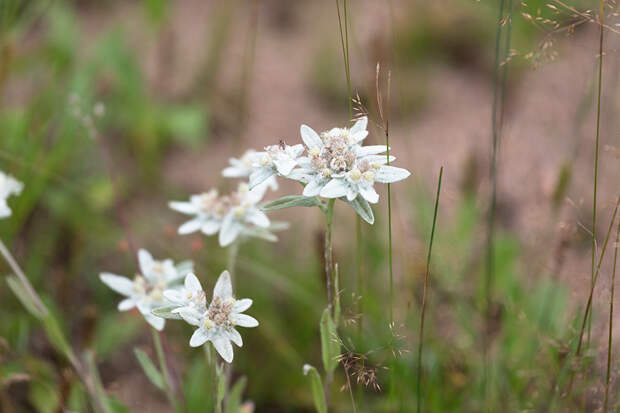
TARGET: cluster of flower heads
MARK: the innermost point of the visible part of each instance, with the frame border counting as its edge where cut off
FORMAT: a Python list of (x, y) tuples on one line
[(158, 286), (8, 186), (336, 164)]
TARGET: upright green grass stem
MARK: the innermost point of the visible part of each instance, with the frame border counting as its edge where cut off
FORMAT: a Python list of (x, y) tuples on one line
[(344, 42), (426, 282), (591, 294), (163, 365), (55, 334), (389, 199), (495, 130), (611, 317), (596, 143)]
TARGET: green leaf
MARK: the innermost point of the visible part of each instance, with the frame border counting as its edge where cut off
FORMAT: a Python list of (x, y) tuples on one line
[(149, 369), (233, 403), (318, 393), (166, 312), (115, 406), (56, 336), (330, 347), (22, 295), (292, 201), (362, 207)]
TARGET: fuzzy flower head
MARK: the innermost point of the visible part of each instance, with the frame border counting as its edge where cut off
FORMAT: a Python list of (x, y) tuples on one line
[(278, 160), (244, 166), (234, 215), (145, 290), (217, 322), (8, 186), (208, 210), (338, 165)]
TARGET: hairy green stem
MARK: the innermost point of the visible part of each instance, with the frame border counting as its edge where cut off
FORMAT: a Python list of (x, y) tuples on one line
[(329, 266), (163, 365), (233, 252), (328, 254), (426, 282), (611, 316)]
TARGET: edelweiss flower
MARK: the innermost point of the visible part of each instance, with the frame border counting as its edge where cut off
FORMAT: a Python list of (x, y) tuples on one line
[(277, 159), (208, 208), (338, 165), (216, 323), (188, 297), (8, 186), (243, 168), (243, 214), (145, 291), (232, 216)]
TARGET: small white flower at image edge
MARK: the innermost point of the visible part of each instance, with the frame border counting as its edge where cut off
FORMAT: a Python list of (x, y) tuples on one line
[(8, 186)]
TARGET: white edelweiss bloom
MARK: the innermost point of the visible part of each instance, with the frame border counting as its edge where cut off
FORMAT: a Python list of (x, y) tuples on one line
[(217, 323), (8, 186), (244, 166), (339, 166), (208, 211), (190, 296), (146, 290), (275, 160), (243, 214), (234, 215)]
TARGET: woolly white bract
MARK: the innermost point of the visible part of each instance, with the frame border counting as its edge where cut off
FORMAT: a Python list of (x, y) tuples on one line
[(8, 186), (233, 216), (275, 160), (216, 321), (244, 166), (145, 291)]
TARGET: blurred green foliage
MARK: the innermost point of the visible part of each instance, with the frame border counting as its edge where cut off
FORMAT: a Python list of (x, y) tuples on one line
[(64, 231)]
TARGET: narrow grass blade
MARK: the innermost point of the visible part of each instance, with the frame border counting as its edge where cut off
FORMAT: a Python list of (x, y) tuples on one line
[(611, 317), (426, 281)]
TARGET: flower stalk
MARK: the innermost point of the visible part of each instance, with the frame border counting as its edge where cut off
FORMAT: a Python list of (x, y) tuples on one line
[(163, 365), (329, 255)]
